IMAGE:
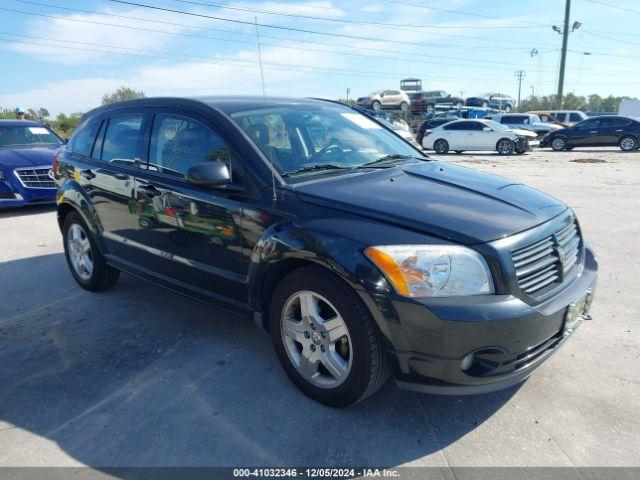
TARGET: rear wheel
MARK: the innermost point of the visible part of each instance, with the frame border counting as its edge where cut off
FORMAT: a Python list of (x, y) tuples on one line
[(507, 108), (404, 106), (558, 144), (485, 104), (505, 146), (86, 262), (375, 105), (325, 338), (628, 143), (441, 146), (430, 108)]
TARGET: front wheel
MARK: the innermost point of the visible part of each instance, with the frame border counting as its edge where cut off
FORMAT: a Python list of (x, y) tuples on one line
[(404, 106), (505, 146), (507, 109), (441, 146), (375, 105), (86, 262), (325, 338), (628, 143)]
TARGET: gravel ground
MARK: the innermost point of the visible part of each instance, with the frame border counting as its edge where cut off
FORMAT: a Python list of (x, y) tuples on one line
[(140, 376)]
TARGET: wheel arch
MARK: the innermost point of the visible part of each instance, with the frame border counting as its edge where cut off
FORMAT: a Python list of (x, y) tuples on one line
[(72, 198)]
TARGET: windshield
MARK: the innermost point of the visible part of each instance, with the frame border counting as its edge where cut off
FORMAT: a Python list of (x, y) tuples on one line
[(13, 135), (299, 137)]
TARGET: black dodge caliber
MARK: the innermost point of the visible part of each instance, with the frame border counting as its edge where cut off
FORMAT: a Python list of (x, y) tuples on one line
[(362, 257)]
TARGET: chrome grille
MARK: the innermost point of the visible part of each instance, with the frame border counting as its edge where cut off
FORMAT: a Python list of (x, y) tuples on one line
[(36, 177), (544, 265)]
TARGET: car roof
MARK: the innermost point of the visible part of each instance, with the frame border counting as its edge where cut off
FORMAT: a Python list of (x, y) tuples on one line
[(18, 123), (227, 104)]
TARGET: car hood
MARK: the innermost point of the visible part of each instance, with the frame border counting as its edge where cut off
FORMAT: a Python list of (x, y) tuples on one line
[(26, 156), (448, 201), (523, 132)]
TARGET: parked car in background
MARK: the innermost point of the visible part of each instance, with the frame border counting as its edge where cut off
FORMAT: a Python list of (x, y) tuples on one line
[(569, 116), (363, 258), (526, 121), (386, 99), (547, 117), (604, 131), (401, 128), (461, 135), (498, 101), (26, 157), (430, 124), (427, 101)]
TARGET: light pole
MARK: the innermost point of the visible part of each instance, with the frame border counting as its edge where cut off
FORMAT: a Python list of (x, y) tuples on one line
[(348, 92), (520, 75), (565, 40)]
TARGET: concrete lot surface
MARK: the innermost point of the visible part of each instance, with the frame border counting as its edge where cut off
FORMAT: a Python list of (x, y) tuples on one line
[(140, 376)]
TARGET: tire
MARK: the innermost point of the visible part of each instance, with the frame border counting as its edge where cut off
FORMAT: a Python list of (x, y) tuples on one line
[(558, 144), (430, 108), (505, 146), (458, 152), (441, 146), (359, 351), (485, 104), (404, 106), (459, 105), (507, 108), (375, 106), (85, 261), (628, 143)]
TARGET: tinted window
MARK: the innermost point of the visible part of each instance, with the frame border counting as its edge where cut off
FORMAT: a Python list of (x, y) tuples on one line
[(516, 120), (591, 123), (82, 140), (464, 126), (121, 139), (575, 117), (615, 122), (179, 142)]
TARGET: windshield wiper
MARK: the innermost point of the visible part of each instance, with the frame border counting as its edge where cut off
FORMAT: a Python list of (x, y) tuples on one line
[(390, 159), (319, 167)]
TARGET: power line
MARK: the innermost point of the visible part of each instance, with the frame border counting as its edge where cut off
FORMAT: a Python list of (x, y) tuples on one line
[(278, 27), (617, 7), (335, 20), (430, 44), (459, 12)]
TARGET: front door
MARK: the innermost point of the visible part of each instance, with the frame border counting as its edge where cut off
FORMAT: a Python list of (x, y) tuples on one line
[(191, 234), (586, 134)]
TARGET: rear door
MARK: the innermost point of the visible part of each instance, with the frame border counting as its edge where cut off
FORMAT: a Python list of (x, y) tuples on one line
[(612, 128), (109, 179), (191, 234)]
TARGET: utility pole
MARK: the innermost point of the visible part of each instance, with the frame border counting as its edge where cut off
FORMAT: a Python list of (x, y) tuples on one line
[(563, 55), (348, 92), (519, 74), (533, 91)]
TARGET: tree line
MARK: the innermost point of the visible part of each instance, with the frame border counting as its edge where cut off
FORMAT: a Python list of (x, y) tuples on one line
[(64, 124), (589, 103)]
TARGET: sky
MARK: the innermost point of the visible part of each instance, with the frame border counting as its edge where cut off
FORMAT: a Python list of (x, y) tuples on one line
[(65, 54)]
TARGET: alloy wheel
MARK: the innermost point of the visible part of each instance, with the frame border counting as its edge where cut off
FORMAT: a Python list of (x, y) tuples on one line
[(79, 249), (505, 147), (558, 144), (316, 339), (628, 144)]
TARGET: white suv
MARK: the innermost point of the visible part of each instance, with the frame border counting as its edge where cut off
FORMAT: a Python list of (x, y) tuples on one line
[(386, 99)]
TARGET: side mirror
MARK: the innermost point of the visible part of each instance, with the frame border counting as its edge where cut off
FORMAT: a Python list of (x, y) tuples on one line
[(208, 174)]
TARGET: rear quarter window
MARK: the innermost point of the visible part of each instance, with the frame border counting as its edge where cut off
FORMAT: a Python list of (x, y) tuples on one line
[(82, 139)]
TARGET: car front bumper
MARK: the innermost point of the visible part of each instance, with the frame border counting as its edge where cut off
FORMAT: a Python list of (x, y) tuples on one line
[(13, 194), (506, 337)]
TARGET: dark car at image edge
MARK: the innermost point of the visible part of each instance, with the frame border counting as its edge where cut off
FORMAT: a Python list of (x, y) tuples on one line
[(360, 255), (601, 131)]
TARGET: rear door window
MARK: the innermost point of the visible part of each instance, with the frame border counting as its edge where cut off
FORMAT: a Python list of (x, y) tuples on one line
[(575, 117), (122, 139)]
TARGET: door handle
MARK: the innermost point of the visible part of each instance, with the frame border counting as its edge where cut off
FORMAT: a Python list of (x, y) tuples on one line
[(148, 190), (88, 174)]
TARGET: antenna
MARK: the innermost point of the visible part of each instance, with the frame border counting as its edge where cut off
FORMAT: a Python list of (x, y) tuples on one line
[(264, 101)]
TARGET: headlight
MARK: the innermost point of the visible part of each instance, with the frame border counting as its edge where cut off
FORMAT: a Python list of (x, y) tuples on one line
[(433, 270)]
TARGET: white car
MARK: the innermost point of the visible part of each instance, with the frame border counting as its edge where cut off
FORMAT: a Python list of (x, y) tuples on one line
[(386, 99), (401, 128), (461, 135), (525, 121)]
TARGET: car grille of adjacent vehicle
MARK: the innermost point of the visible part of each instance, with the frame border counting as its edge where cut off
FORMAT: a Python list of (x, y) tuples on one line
[(544, 265), (37, 177)]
